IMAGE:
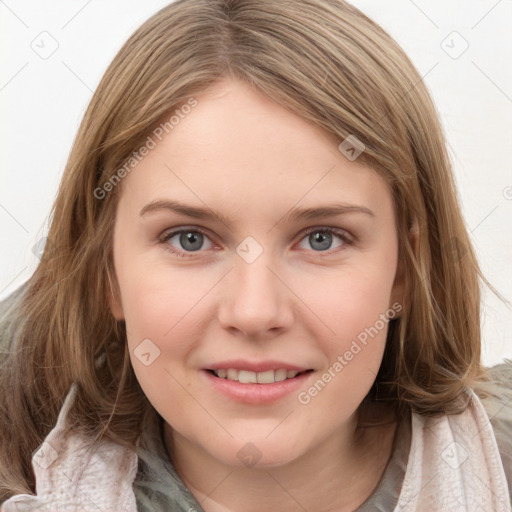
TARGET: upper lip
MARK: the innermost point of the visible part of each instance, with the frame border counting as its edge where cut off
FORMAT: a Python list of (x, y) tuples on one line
[(260, 366)]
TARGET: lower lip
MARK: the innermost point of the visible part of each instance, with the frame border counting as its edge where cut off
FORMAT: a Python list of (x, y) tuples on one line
[(256, 393)]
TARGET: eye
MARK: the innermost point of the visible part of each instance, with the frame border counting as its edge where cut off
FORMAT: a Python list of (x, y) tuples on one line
[(188, 240), (321, 238)]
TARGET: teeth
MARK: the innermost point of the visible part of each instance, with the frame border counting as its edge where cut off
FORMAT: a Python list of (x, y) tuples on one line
[(222, 373), (232, 374), (280, 375), (247, 377), (265, 377)]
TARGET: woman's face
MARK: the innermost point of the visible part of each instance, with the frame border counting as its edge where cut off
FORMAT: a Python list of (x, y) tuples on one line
[(224, 262)]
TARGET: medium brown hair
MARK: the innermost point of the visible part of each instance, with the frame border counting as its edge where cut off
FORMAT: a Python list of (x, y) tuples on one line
[(325, 61)]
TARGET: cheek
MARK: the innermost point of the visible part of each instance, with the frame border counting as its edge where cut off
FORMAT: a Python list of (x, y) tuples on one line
[(351, 301), (157, 300), (357, 318), (353, 306), (162, 308)]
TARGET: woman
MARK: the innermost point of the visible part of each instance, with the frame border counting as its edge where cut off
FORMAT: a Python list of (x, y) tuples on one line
[(254, 368)]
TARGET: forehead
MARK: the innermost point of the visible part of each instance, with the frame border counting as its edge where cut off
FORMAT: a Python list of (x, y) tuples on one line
[(239, 125), (239, 149)]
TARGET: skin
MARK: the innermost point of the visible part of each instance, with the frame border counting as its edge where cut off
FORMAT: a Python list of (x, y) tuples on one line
[(242, 155)]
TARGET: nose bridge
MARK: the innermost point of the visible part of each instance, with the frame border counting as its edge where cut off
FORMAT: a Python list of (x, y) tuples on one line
[(255, 299)]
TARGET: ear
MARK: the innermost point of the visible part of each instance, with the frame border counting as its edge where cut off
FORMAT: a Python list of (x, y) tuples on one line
[(114, 298), (398, 292)]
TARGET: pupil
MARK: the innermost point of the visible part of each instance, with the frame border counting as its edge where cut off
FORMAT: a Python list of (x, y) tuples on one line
[(323, 239), (190, 238)]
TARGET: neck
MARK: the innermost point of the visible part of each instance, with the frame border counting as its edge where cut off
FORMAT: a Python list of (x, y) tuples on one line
[(338, 474)]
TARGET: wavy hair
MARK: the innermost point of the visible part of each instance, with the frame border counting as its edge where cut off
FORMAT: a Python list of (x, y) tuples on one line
[(325, 61)]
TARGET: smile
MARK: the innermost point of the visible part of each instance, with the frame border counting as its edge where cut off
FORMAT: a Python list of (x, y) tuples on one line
[(249, 377)]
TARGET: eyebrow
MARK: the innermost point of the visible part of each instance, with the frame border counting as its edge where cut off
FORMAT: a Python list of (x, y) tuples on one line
[(295, 214)]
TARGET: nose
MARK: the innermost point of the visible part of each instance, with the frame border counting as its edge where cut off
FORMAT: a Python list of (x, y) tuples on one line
[(256, 300)]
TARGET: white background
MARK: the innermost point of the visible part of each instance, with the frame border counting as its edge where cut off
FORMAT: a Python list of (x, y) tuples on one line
[(43, 99)]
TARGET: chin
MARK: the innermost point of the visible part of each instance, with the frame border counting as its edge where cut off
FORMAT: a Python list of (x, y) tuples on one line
[(257, 454)]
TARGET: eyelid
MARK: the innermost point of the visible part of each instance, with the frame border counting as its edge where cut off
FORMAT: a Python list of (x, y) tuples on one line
[(342, 233), (170, 232)]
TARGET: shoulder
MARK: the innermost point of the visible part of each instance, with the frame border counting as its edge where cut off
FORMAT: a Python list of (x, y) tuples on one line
[(72, 470), (9, 318), (496, 397), (9, 303)]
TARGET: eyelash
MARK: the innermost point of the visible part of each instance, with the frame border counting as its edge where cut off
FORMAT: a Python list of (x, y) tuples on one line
[(342, 234)]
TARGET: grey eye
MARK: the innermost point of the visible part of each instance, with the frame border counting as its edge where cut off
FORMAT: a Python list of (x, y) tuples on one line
[(189, 240)]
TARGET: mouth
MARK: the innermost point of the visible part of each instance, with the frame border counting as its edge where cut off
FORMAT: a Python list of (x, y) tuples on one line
[(250, 377)]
